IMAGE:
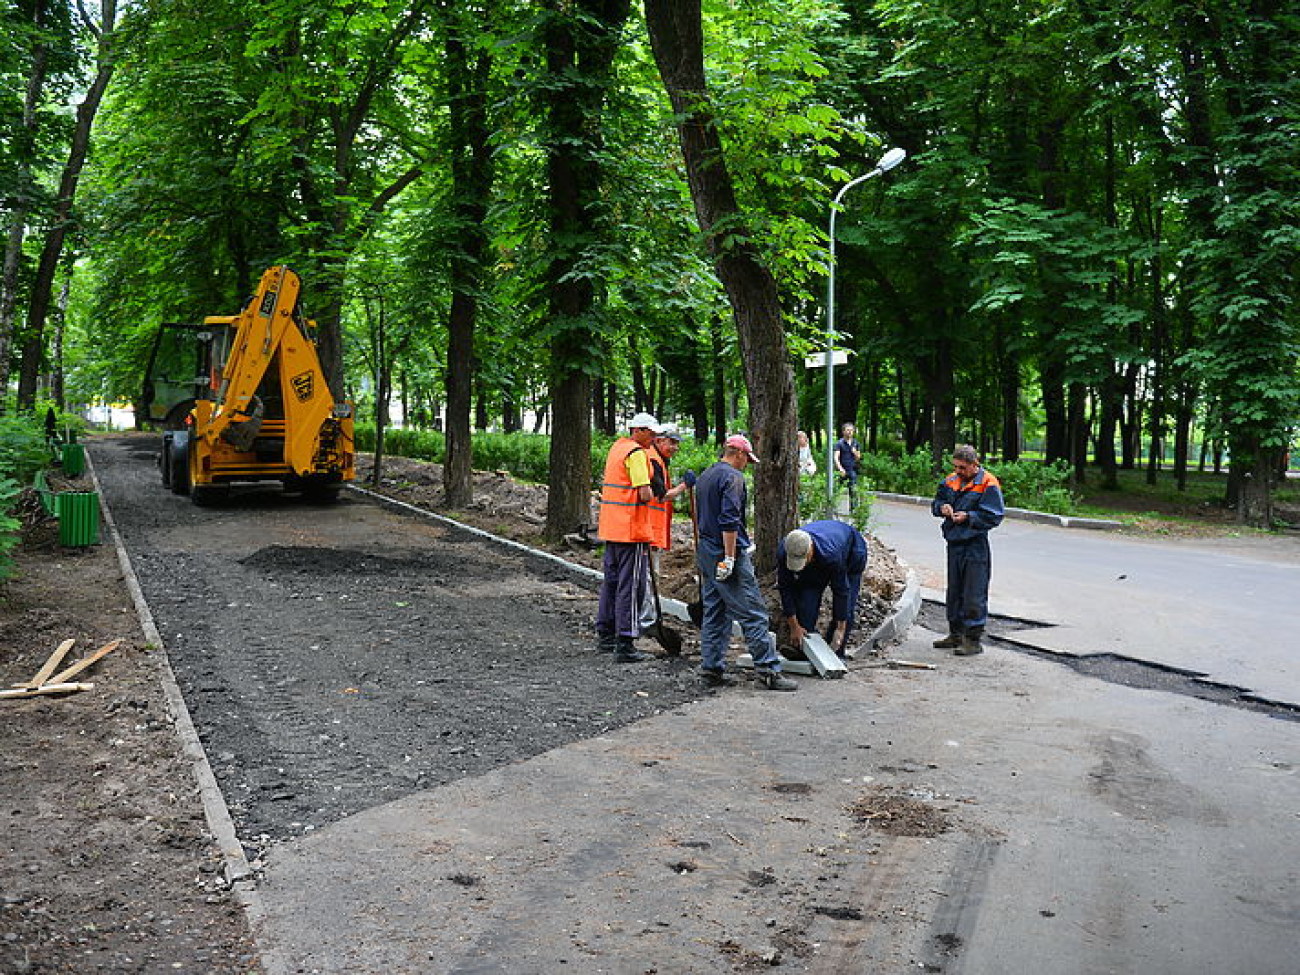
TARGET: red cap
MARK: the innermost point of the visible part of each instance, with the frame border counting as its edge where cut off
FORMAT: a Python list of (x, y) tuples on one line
[(741, 442)]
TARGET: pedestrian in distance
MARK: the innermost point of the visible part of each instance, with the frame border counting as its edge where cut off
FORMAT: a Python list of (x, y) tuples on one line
[(626, 525), (807, 464), (724, 560), (667, 441), (848, 452), (820, 555), (969, 501)]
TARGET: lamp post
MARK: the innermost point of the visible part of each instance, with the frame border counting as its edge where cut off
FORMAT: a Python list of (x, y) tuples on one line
[(887, 162)]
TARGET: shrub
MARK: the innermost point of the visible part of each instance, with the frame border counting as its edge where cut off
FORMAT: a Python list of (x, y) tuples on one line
[(23, 452), (1037, 486), (903, 474)]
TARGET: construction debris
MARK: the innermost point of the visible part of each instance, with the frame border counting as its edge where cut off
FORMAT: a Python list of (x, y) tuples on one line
[(42, 683)]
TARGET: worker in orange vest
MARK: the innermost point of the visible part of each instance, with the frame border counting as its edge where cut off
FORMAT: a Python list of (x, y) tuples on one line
[(627, 527)]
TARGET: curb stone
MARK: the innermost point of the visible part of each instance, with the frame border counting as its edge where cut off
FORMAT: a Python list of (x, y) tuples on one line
[(894, 627), (239, 874)]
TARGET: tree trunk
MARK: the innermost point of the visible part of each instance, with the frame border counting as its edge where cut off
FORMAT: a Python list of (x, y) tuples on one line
[(719, 382), (471, 169), (676, 37), (38, 307), (1052, 378), (1009, 401), (19, 205), (1111, 405), (579, 47)]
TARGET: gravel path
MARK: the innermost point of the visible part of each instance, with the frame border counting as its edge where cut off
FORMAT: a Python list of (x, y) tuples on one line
[(337, 657)]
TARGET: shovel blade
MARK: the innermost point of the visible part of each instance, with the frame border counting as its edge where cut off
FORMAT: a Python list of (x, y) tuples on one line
[(669, 639)]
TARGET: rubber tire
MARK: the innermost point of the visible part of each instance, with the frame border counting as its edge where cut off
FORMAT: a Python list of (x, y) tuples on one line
[(205, 495), (165, 462), (319, 492), (179, 459)]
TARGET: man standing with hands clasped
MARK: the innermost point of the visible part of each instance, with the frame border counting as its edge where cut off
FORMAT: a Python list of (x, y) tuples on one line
[(729, 588), (970, 503)]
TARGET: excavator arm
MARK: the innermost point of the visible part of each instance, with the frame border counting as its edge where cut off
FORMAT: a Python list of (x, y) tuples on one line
[(269, 333)]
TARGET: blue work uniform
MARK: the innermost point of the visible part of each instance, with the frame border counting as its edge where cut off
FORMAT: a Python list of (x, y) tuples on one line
[(720, 499), (839, 560), (970, 564)]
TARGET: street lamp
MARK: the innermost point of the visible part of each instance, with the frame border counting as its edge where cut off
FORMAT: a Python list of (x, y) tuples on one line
[(887, 162)]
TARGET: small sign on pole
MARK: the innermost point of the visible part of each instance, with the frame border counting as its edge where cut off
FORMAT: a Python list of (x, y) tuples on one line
[(818, 361)]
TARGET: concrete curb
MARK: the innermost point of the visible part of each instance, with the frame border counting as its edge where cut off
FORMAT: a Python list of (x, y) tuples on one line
[(239, 874), (895, 627), (1022, 514)]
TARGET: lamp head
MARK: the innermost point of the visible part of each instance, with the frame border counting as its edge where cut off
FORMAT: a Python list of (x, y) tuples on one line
[(891, 159)]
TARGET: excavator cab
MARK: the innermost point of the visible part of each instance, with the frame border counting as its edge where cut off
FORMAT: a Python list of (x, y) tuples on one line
[(262, 409), (179, 368)]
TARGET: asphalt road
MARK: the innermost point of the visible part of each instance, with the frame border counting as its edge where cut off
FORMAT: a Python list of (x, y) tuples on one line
[(1216, 607)]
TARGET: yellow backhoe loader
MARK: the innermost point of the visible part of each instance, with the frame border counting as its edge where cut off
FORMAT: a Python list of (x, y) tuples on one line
[(263, 410)]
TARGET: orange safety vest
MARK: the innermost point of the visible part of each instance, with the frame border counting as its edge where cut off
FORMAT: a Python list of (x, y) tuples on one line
[(623, 517), (661, 512)]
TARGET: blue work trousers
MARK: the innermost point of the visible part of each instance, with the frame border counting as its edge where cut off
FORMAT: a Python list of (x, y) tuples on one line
[(737, 600), (970, 566), (808, 606), (627, 567)]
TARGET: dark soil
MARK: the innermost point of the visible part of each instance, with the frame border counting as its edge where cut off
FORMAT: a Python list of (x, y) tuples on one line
[(106, 864), (332, 658)]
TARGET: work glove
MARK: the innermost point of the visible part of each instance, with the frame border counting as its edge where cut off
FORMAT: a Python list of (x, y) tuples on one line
[(688, 478), (724, 568)]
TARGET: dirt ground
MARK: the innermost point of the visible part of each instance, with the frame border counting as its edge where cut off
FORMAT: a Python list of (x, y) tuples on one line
[(106, 864), (331, 658)]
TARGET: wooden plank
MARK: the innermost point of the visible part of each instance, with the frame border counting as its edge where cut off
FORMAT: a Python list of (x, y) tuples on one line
[(47, 668), (20, 692), (81, 665)]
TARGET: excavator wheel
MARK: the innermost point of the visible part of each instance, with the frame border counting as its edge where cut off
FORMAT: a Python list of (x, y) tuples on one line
[(164, 460), (204, 495), (318, 491), (176, 457)]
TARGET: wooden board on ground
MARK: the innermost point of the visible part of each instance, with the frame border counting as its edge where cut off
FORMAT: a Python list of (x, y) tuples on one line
[(81, 665), (47, 668), (21, 692)]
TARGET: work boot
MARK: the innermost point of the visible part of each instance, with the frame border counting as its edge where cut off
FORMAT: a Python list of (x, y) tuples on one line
[(606, 642), (774, 680), (949, 642), (970, 643), (625, 652), (716, 678)]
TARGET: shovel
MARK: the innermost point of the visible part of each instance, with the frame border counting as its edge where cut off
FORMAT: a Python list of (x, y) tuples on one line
[(695, 608), (667, 637)]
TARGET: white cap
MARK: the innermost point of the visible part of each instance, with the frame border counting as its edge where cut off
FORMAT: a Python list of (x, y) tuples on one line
[(643, 420), (798, 550)]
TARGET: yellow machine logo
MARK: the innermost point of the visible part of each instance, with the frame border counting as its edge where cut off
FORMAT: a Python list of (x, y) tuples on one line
[(304, 386)]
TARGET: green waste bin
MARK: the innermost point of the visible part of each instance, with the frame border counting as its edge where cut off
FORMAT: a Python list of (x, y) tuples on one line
[(74, 459), (78, 518)]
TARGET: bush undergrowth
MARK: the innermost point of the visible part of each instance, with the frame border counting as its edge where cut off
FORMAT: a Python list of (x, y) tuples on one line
[(1025, 484)]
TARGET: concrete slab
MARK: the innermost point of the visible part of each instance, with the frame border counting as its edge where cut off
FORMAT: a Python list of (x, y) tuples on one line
[(1088, 828)]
